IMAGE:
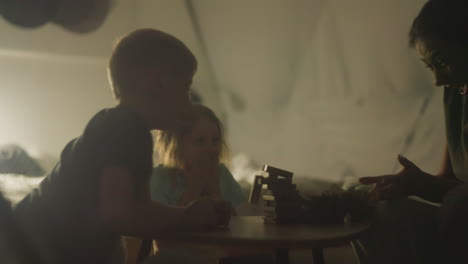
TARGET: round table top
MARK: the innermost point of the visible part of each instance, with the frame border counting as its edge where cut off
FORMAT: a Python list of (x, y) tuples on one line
[(252, 231)]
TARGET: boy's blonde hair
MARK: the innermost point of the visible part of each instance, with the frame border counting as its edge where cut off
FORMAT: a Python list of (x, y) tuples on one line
[(143, 50), (169, 142)]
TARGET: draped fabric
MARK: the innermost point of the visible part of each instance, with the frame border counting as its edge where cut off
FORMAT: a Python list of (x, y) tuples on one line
[(328, 89), (325, 88)]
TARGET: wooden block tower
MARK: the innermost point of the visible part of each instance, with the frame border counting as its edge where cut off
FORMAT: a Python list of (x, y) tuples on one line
[(283, 204)]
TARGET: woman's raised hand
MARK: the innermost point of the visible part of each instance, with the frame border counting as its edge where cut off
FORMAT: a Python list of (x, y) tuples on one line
[(407, 181)]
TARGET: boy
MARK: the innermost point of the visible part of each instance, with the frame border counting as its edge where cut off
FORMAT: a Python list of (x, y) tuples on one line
[(99, 189)]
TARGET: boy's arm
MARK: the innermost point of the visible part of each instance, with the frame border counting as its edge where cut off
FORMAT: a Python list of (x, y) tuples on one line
[(126, 215), (190, 194)]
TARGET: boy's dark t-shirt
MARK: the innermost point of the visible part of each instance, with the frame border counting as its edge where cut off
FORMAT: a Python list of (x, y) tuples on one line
[(62, 215)]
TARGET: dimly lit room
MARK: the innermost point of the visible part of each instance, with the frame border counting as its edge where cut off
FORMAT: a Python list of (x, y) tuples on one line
[(312, 131)]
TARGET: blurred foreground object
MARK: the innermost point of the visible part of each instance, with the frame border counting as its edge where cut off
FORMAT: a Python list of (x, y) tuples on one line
[(15, 248), (79, 16)]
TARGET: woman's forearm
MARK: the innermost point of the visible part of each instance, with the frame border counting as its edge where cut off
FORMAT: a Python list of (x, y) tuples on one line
[(446, 170), (435, 188)]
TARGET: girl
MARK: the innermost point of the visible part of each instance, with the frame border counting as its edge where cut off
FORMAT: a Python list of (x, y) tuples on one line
[(192, 167), (191, 157)]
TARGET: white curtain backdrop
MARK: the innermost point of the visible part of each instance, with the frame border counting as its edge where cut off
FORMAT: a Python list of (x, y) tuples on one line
[(327, 89)]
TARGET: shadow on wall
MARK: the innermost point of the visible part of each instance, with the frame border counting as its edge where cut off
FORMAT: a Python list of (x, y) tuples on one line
[(82, 16), (15, 160)]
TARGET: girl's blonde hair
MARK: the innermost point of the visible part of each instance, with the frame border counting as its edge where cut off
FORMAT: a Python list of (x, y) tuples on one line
[(169, 142)]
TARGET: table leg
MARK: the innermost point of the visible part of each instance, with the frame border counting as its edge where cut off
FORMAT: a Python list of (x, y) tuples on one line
[(317, 254), (281, 256)]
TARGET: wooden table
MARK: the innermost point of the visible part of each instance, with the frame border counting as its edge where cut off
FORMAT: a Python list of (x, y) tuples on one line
[(251, 231)]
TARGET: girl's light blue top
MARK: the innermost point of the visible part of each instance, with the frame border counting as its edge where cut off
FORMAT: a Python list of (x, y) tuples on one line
[(164, 191)]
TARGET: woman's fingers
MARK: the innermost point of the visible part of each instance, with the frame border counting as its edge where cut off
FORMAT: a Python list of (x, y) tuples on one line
[(392, 191), (369, 180), (393, 185), (407, 163), (382, 180), (387, 192), (382, 192)]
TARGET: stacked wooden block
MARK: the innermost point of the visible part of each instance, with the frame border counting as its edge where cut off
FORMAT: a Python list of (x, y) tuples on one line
[(282, 202)]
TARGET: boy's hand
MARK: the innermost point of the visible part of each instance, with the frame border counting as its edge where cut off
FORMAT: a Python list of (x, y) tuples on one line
[(202, 214), (224, 211), (403, 183)]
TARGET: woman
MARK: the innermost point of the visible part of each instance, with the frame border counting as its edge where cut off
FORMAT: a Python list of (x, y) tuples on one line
[(407, 231)]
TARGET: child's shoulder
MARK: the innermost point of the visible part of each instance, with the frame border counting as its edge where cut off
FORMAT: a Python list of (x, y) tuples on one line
[(223, 167), (159, 170), (163, 172), (224, 171), (117, 122), (117, 116)]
